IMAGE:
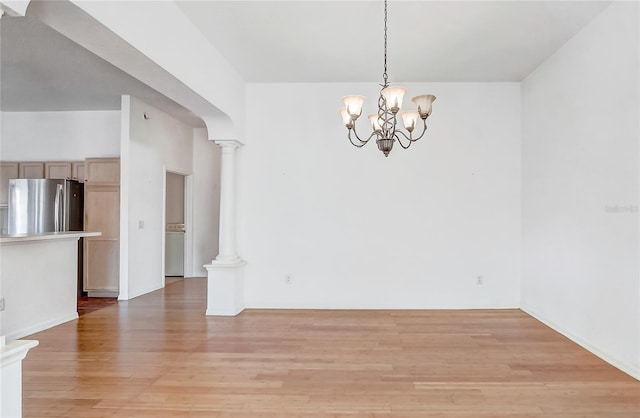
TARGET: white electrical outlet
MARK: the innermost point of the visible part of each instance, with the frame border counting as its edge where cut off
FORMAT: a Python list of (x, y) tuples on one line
[(287, 279), (479, 280), (1, 304)]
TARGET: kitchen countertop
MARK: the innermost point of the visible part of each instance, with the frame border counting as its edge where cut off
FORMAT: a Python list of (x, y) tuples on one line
[(9, 239)]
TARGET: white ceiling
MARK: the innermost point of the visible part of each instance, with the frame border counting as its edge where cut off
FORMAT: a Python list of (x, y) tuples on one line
[(303, 41), (342, 41)]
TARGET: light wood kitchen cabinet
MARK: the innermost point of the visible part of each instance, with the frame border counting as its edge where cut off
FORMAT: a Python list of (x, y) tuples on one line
[(57, 170), (77, 171), (31, 170), (102, 214), (102, 171), (8, 170), (102, 254)]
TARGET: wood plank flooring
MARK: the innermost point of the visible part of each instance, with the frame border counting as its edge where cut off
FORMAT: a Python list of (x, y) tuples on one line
[(160, 356), (87, 304)]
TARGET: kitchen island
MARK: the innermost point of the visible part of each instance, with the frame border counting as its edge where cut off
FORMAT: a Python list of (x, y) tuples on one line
[(38, 281)]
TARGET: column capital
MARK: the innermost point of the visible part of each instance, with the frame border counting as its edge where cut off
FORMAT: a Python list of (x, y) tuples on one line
[(228, 143)]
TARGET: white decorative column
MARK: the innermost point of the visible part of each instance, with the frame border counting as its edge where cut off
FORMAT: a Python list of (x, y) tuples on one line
[(11, 356), (225, 287), (227, 242)]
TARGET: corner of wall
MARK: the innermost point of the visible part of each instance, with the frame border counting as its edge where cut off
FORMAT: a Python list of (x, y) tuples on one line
[(574, 168), (125, 122)]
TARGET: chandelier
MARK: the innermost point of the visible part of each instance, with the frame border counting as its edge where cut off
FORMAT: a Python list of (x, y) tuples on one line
[(384, 123)]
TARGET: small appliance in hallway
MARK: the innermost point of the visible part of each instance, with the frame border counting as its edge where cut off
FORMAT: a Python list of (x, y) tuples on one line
[(174, 250)]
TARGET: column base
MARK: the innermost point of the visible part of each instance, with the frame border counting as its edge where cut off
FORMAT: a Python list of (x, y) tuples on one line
[(225, 287), (222, 259)]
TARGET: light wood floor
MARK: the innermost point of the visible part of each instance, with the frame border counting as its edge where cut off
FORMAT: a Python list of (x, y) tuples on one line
[(159, 356)]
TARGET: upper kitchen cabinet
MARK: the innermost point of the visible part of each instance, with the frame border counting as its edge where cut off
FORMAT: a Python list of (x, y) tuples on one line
[(31, 170), (77, 171), (102, 171), (57, 170), (8, 171)]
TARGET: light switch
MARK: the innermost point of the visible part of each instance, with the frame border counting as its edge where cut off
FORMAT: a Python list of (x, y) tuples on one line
[(140, 224)]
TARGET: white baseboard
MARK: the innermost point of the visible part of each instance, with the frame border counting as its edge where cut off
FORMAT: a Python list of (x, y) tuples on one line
[(223, 312), (144, 292), (21, 333), (630, 369), (363, 306)]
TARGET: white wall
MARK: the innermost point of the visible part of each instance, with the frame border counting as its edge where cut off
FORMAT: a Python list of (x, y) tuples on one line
[(206, 201), (70, 136), (581, 270), (156, 144), (354, 229)]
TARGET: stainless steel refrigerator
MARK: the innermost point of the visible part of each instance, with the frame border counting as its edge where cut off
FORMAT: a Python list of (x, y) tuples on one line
[(38, 206)]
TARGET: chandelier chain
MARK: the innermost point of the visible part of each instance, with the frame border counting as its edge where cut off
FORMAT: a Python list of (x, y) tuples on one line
[(384, 75)]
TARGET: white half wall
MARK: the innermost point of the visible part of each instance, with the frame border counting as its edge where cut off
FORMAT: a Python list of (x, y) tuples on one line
[(206, 201), (59, 136), (156, 144), (38, 280), (581, 272), (353, 229)]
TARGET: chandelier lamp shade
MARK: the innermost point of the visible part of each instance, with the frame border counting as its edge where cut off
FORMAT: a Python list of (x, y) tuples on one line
[(384, 123)]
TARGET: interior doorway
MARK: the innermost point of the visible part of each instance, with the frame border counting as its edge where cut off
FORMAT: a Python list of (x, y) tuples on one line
[(174, 258)]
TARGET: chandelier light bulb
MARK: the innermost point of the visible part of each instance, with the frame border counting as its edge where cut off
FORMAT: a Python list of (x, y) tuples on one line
[(409, 119), (424, 104), (353, 104), (393, 97), (375, 122), (346, 117)]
